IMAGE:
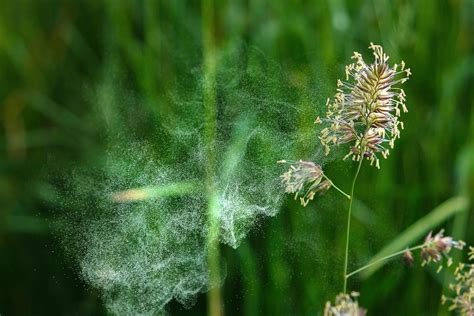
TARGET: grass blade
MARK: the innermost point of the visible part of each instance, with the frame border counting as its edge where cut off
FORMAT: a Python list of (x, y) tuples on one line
[(153, 192)]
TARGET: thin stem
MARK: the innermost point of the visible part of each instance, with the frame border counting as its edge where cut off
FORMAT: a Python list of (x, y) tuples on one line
[(214, 297), (382, 259), (349, 223), (335, 187)]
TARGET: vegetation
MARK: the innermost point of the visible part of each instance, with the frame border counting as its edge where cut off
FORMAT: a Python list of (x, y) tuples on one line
[(125, 110)]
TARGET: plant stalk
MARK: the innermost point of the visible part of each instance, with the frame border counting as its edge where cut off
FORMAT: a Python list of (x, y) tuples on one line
[(336, 187), (382, 259), (346, 259), (214, 298)]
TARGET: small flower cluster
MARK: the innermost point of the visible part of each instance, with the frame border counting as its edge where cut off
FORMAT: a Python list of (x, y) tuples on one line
[(366, 108), (463, 302), (345, 305), (437, 246), (434, 249), (304, 176)]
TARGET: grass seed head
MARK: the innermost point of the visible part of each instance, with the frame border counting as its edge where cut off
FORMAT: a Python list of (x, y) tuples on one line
[(304, 179), (365, 110), (437, 246), (463, 287), (345, 305)]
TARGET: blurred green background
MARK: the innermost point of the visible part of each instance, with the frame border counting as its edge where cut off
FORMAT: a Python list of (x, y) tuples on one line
[(54, 55)]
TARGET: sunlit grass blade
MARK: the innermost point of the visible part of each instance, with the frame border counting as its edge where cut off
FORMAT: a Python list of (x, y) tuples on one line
[(153, 192), (417, 230)]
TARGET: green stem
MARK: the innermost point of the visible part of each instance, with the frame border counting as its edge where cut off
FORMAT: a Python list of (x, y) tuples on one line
[(349, 223), (382, 259), (335, 187), (214, 297)]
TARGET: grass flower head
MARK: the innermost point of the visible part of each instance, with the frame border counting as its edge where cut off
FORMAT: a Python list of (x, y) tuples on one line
[(304, 179), (365, 110), (345, 305), (463, 301), (438, 245)]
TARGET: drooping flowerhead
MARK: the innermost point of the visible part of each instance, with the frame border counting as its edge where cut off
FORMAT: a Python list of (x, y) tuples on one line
[(438, 245), (408, 258), (365, 110), (304, 179), (345, 305)]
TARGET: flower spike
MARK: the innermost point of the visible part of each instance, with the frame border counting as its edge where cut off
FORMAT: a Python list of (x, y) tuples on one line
[(365, 110)]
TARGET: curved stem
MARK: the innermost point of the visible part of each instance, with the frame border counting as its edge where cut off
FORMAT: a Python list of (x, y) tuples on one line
[(335, 187), (382, 259), (349, 223)]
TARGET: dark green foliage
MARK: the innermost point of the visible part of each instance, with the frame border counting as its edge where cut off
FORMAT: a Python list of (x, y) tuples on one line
[(80, 80)]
